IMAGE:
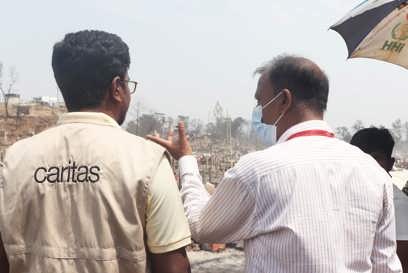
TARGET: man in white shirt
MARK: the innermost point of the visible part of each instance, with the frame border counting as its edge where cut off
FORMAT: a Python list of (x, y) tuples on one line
[(311, 203), (379, 143)]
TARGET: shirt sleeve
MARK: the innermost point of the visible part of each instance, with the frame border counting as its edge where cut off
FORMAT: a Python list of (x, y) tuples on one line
[(166, 224), (226, 216), (384, 256)]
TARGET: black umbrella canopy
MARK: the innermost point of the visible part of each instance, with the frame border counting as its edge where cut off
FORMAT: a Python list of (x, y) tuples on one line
[(361, 21)]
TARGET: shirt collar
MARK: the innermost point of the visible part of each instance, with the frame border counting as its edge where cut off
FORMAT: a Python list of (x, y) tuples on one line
[(88, 117), (304, 126)]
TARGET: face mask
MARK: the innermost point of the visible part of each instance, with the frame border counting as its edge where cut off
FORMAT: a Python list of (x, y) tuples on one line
[(265, 132)]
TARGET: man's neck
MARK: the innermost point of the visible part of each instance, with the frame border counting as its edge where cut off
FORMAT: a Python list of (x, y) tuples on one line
[(100, 110), (297, 119)]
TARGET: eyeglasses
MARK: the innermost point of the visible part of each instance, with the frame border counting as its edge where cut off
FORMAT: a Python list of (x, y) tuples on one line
[(131, 85)]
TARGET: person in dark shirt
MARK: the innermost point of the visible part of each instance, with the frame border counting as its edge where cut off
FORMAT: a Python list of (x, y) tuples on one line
[(379, 143)]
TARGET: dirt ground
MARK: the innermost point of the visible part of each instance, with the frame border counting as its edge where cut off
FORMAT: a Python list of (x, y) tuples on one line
[(228, 261)]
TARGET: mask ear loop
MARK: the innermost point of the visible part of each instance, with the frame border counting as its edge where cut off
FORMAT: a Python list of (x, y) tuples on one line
[(272, 100), (279, 119)]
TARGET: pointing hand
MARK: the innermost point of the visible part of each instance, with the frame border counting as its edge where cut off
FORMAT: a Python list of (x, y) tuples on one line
[(177, 147)]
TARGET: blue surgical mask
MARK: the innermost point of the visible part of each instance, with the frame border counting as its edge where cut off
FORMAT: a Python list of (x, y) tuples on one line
[(267, 133)]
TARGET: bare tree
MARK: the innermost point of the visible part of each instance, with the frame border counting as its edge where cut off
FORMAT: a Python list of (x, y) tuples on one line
[(238, 127), (406, 131), (343, 133), (195, 127), (397, 130), (210, 129), (147, 124), (357, 126), (7, 88)]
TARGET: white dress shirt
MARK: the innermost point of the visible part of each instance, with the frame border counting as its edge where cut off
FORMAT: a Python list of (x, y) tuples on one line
[(309, 204)]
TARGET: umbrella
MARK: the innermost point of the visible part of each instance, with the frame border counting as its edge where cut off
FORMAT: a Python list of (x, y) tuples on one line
[(377, 29)]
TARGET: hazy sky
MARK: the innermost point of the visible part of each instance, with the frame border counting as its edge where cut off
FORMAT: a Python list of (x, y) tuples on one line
[(188, 54)]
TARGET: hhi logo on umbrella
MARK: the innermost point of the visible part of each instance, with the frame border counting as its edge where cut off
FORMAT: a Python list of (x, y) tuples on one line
[(399, 35)]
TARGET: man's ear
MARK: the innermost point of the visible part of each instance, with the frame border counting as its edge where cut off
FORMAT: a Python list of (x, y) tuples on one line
[(116, 90), (392, 162), (287, 100)]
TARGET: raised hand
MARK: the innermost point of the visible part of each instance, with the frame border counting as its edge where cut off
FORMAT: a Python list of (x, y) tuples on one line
[(177, 147)]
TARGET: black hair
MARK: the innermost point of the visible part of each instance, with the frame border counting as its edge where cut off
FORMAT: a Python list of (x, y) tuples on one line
[(85, 64), (373, 139), (307, 82)]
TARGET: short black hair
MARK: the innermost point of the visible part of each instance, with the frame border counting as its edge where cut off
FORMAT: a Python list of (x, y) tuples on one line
[(85, 64), (307, 82), (373, 139)]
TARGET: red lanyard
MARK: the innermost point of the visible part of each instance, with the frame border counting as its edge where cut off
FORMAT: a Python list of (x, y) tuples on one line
[(312, 133)]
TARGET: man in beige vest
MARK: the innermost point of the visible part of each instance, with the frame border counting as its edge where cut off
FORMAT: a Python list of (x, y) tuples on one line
[(86, 196)]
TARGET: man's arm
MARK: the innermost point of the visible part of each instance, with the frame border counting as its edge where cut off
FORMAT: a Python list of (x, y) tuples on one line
[(402, 251), (166, 225), (4, 264), (228, 215), (171, 262), (384, 257)]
